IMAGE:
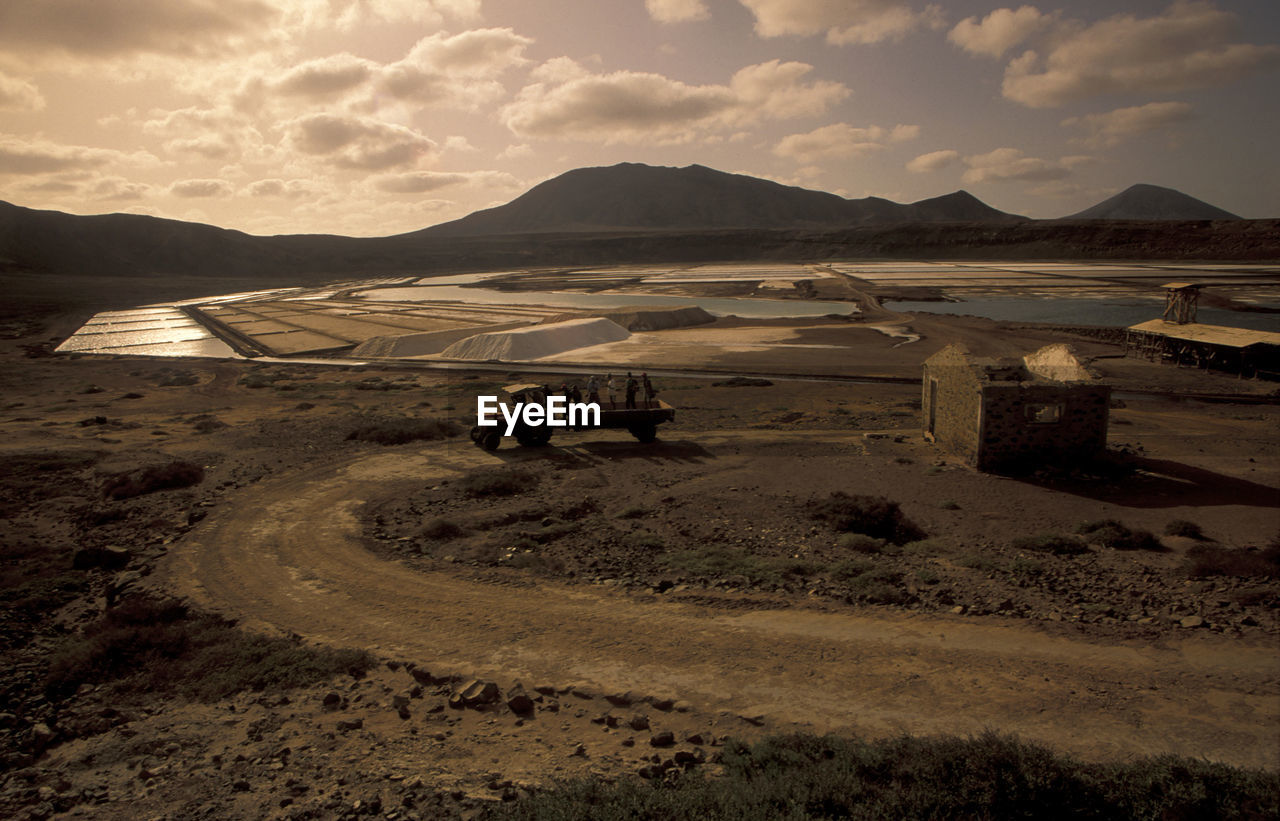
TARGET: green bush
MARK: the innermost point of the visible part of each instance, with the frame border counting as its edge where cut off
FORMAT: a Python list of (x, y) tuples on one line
[(1055, 543), (401, 431), (170, 476), (148, 645), (859, 543), (716, 562), (991, 776), (1113, 534), (873, 516)]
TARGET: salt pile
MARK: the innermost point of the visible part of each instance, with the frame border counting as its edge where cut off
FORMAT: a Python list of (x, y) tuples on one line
[(538, 341), (1058, 363), (649, 319), (421, 344)]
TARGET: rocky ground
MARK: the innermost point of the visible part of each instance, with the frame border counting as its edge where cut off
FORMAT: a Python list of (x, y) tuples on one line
[(719, 514)]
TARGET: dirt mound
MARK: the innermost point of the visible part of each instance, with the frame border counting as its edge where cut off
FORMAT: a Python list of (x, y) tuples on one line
[(648, 319), (538, 341)]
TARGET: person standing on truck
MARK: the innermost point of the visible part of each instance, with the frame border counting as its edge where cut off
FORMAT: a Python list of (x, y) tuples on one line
[(612, 388), (649, 392), (632, 388), (593, 389)]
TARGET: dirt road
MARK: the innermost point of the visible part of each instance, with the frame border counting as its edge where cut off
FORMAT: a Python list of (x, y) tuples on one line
[(287, 554)]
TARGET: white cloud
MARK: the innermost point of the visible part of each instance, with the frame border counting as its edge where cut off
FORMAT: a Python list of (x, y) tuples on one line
[(677, 11), (1011, 164), (349, 14), (1000, 30), (19, 94), (1189, 45), (460, 69), (627, 106), (517, 151), (933, 161), (844, 21), (417, 182), (841, 140), (191, 189), (1116, 126), (358, 142)]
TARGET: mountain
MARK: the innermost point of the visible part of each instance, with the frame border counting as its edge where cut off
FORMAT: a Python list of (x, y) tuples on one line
[(1152, 202), (632, 196)]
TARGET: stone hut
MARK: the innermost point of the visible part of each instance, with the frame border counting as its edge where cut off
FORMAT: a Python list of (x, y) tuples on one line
[(1011, 414)]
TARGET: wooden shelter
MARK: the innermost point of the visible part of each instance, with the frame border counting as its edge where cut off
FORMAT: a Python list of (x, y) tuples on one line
[(1220, 347)]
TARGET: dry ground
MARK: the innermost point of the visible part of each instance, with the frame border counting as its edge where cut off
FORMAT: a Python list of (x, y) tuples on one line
[(688, 574)]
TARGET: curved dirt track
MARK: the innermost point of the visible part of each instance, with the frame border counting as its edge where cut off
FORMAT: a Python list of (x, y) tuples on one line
[(286, 554)]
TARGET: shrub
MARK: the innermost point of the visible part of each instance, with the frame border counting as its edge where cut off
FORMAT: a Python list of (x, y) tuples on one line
[(635, 512), (873, 516), (1056, 543), (859, 543), (1184, 528), (990, 776), (849, 569), (400, 431), (1213, 560), (442, 530), (712, 562), (497, 482), (1113, 534), (148, 645), (173, 475)]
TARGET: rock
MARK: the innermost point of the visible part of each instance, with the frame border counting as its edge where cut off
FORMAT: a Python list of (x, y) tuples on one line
[(638, 722), (349, 724), (1192, 621), (477, 693), (663, 704), (518, 701), (331, 701), (100, 558), (41, 736), (666, 738), (400, 701), (423, 676), (619, 699), (687, 758)]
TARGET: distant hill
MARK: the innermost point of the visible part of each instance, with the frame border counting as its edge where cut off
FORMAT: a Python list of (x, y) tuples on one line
[(1152, 202), (632, 196)]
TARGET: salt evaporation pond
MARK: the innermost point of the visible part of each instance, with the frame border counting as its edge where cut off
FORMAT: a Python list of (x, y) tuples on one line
[(1113, 312)]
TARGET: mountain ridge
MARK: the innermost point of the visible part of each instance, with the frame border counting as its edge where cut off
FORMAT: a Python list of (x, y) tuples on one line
[(1143, 201)]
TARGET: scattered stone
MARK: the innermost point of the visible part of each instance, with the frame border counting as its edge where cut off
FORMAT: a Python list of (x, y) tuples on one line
[(331, 701), (477, 693), (100, 558), (666, 738), (1192, 621), (349, 724), (518, 700), (400, 701), (639, 722)]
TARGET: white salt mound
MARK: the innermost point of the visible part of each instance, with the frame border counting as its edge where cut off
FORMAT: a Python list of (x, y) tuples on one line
[(537, 341), (1058, 363), (420, 344)]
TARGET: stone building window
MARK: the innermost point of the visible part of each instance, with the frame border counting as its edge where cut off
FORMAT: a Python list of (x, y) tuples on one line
[(1043, 414)]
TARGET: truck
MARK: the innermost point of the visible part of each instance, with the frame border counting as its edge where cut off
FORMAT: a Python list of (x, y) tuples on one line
[(641, 422)]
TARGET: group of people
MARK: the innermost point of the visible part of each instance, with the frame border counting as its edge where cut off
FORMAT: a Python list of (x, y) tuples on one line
[(631, 388)]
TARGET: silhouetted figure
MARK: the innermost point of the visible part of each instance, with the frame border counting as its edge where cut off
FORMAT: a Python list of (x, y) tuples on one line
[(632, 388), (649, 392)]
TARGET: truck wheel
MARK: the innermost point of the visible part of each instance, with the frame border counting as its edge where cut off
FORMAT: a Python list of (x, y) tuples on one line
[(491, 440), (476, 433), (645, 433)]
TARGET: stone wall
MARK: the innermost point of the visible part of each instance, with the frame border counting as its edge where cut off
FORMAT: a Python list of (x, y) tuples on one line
[(954, 407), (1030, 424)]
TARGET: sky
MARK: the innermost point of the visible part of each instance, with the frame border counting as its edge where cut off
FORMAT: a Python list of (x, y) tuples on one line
[(377, 117)]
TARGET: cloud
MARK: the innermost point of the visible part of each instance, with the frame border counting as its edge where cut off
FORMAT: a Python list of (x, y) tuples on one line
[(1189, 45), (349, 14), (96, 29), (844, 21), (677, 11), (325, 77), (358, 142), (38, 156), (632, 107), (1011, 164), (1000, 30), (117, 189), (210, 133), (841, 140), (461, 69), (287, 189), (1116, 126), (191, 189), (417, 182), (933, 161), (19, 94)]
